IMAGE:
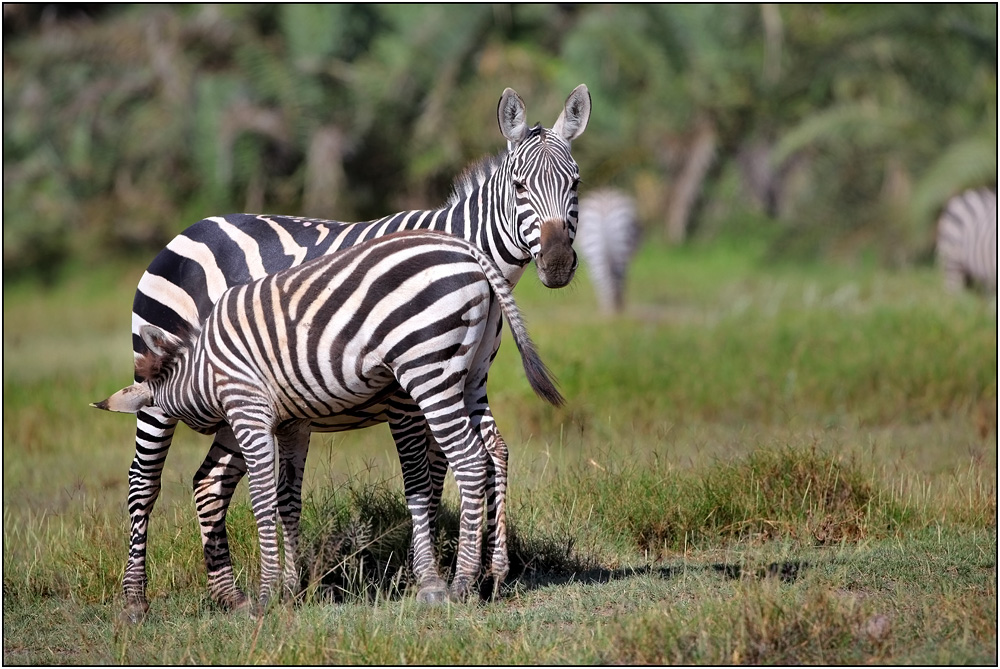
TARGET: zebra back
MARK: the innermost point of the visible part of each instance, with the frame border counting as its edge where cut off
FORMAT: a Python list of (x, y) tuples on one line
[(250, 333), (254, 333)]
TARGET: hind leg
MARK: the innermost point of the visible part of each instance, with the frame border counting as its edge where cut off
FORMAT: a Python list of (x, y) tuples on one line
[(257, 442), (469, 461), (293, 446), (413, 444), (497, 562), (495, 559)]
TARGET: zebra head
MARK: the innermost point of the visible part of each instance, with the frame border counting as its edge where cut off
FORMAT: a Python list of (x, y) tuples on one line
[(163, 370), (155, 367), (542, 178)]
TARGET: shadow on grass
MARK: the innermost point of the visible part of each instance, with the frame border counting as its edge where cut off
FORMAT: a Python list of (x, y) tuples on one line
[(363, 554), (786, 572)]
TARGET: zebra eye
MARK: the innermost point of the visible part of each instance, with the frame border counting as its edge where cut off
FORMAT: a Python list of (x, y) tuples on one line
[(519, 187), (576, 183)]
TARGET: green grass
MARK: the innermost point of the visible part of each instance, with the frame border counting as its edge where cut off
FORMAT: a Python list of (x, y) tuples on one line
[(757, 463)]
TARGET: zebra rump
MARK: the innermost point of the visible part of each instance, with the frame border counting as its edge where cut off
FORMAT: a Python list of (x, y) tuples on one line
[(967, 240), (411, 308), (607, 237)]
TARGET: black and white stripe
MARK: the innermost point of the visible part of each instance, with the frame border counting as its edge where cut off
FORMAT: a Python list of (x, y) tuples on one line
[(967, 240), (414, 311), (519, 206), (607, 237)]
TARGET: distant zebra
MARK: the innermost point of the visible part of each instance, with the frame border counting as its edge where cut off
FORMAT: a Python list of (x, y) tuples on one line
[(607, 238), (313, 341), (518, 206), (967, 240)]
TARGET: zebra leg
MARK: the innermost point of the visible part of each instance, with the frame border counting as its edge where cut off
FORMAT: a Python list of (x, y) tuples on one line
[(468, 459), (954, 275), (258, 444), (214, 485), (293, 446), (153, 434), (409, 430), (470, 467), (618, 280), (497, 561), (437, 465)]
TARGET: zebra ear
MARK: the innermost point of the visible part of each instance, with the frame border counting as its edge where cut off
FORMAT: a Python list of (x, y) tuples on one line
[(574, 117), (127, 400), (510, 115), (160, 342)]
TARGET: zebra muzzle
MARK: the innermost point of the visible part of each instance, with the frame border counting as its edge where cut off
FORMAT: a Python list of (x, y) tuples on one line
[(127, 400), (556, 260)]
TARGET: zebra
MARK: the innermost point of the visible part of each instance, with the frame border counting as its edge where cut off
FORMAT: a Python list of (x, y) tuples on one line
[(412, 308), (607, 238), (967, 240), (517, 206)]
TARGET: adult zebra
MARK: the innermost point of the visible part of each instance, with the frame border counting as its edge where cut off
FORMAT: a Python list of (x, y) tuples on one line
[(607, 238), (415, 309), (517, 206), (967, 240)]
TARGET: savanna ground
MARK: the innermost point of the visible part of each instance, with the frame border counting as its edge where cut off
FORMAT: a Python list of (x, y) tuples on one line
[(757, 463)]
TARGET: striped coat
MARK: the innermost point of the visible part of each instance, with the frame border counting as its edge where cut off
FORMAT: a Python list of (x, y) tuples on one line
[(967, 241), (313, 341), (519, 206)]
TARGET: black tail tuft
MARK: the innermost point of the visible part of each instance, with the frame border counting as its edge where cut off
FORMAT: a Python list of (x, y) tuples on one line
[(538, 374)]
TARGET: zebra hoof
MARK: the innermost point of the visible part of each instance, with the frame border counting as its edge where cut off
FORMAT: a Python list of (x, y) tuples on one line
[(460, 590), (243, 606), (236, 601), (433, 594), (134, 612)]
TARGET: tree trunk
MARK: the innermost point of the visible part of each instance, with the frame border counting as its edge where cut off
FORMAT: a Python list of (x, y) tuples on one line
[(324, 173), (689, 183)]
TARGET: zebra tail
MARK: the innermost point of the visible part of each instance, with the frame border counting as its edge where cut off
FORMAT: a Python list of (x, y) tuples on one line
[(539, 376)]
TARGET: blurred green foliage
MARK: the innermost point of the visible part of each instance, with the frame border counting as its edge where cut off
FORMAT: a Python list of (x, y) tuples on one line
[(838, 130)]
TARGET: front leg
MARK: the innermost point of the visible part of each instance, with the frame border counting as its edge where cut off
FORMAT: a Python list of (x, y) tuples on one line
[(214, 485), (153, 436)]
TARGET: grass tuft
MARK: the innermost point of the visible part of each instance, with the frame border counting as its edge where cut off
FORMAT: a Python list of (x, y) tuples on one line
[(799, 494)]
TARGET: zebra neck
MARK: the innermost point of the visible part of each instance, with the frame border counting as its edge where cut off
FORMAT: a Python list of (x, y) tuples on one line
[(191, 396), (484, 216)]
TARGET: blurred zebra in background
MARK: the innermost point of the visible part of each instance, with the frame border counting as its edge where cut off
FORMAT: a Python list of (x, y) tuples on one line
[(607, 237), (967, 240)]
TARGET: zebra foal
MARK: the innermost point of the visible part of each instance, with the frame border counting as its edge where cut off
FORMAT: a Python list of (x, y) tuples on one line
[(967, 240), (607, 237), (412, 308)]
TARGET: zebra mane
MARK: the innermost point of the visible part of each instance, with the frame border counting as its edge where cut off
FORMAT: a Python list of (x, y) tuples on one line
[(149, 365), (473, 177), (479, 172)]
